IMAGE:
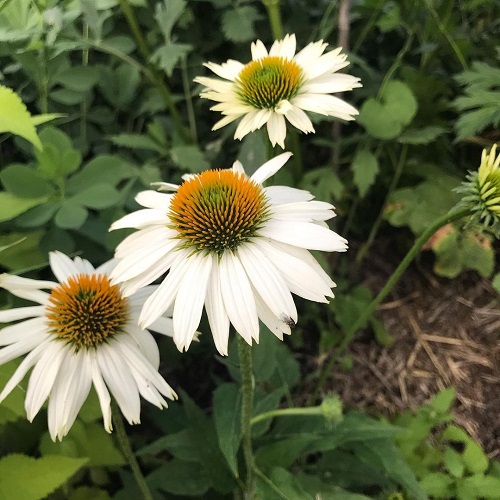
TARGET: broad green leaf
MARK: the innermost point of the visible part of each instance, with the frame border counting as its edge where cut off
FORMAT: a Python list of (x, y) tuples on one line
[(67, 97), (180, 478), (399, 101), (39, 215), (98, 196), (21, 180), (71, 215), (100, 446), (189, 158), (227, 418), (453, 462), (282, 484), (47, 117), (45, 475), (25, 255), (11, 206), (238, 23), (167, 56), (15, 118), (474, 457), (204, 435), (167, 13), (365, 168), (423, 135), (478, 486), (78, 78), (443, 400), (437, 484), (178, 444), (137, 141)]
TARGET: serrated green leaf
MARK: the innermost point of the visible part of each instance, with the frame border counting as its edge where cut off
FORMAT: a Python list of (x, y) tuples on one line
[(47, 117), (45, 475), (227, 418), (22, 181), (365, 169), (167, 56), (238, 23), (15, 118), (189, 158), (78, 78), (180, 478), (71, 215), (11, 206), (167, 13)]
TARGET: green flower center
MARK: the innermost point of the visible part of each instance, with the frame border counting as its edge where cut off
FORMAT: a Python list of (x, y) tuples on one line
[(266, 82), (86, 310), (218, 210)]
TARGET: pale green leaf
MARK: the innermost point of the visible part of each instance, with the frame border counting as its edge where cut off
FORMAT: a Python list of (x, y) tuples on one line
[(71, 215), (78, 78), (11, 206), (27, 478), (238, 23), (189, 158), (15, 118), (365, 168)]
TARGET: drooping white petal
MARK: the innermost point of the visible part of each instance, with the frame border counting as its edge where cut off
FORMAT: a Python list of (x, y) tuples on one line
[(139, 219), (304, 235), (325, 105), (20, 331), (250, 122), (269, 168), (154, 199), (62, 266), (102, 391), (21, 313), (28, 342), (43, 377), (267, 317), (276, 128), (146, 343), (225, 121), (26, 288), (163, 325), (189, 300), (330, 83), (284, 194), (313, 210), (299, 120), (216, 313), (228, 70), (267, 281), (237, 294)]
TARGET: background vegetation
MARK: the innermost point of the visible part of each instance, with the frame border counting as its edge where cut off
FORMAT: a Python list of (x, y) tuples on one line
[(116, 80)]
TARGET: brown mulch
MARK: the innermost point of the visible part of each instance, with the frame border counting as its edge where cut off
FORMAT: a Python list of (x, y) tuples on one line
[(446, 332)]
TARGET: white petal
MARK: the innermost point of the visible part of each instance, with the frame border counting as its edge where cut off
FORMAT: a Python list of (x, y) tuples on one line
[(328, 84), (250, 122), (19, 331), (258, 50), (42, 377), (299, 120), (22, 369), (26, 288), (310, 53), (270, 168), (305, 210), (287, 47), (189, 300), (161, 299), (21, 313), (276, 128), (102, 392), (228, 70), (120, 382), (274, 324), (325, 105), (139, 219), (225, 121), (238, 167), (154, 199), (107, 267), (165, 186), (28, 342), (304, 235), (267, 281), (284, 194), (327, 63), (216, 313), (144, 237), (146, 344), (214, 84), (238, 297), (62, 266), (163, 325)]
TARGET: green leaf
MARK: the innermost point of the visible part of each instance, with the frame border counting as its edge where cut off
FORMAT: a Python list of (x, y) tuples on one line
[(180, 478), (453, 462), (45, 475), (323, 491), (443, 400), (167, 14), (386, 118), (474, 457), (179, 444), (78, 78), (25, 255), (71, 215), (21, 180), (203, 433), (86, 492), (39, 215), (58, 158), (437, 485), (11, 206), (47, 117), (252, 152), (227, 418), (238, 23), (137, 141), (98, 196), (100, 446), (167, 56), (15, 118), (189, 158), (284, 485), (365, 168), (424, 135), (478, 486)]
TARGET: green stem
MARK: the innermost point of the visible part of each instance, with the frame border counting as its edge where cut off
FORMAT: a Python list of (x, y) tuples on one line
[(365, 315), (274, 15), (189, 100), (121, 435), (156, 76), (287, 412), (247, 388), (363, 250)]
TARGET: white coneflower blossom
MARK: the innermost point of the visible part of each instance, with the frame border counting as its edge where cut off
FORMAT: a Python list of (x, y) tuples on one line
[(231, 245), (278, 85), (83, 332)]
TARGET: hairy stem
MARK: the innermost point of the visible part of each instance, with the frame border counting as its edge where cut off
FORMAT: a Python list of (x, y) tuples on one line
[(121, 435), (287, 412), (247, 388), (274, 15), (365, 315)]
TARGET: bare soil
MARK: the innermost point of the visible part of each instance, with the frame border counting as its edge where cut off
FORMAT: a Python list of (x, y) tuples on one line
[(446, 332)]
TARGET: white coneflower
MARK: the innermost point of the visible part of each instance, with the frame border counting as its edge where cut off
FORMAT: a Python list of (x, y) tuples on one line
[(278, 85), (232, 245), (83, 332)]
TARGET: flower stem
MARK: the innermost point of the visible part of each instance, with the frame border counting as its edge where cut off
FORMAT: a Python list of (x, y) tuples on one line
[(156, 76), (247, 388), (287, 412), (274, 15), (121, 435), (365, 315)]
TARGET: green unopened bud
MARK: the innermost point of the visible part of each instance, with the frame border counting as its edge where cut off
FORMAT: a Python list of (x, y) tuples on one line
[(331, 409), (482, 192)]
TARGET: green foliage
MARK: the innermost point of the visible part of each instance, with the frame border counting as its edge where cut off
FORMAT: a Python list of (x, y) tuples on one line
[(446, 460)]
